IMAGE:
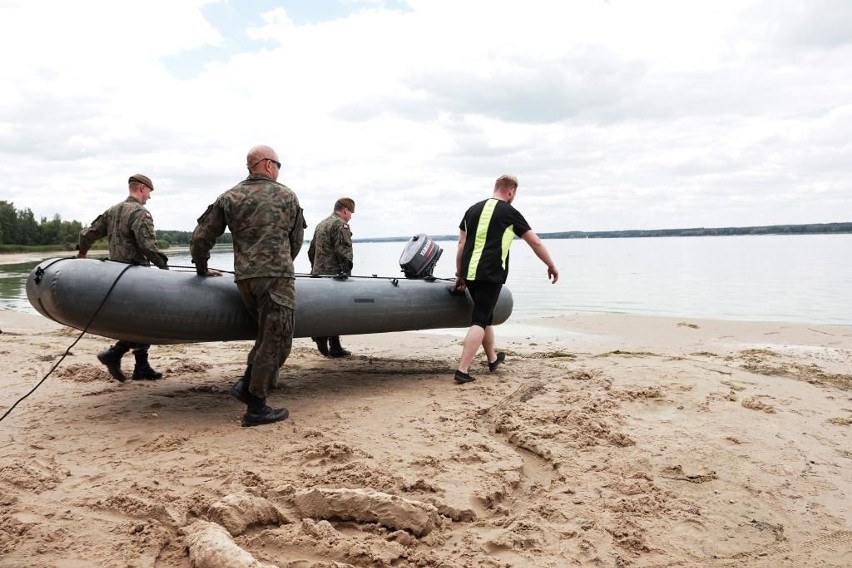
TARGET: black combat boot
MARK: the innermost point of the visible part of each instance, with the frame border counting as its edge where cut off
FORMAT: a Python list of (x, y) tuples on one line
[(322, 344), (258, 413), (112, 359), (240, 389), (143, 371), (334, 348)]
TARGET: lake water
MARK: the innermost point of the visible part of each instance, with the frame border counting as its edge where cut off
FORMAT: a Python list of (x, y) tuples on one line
[(797, 278)]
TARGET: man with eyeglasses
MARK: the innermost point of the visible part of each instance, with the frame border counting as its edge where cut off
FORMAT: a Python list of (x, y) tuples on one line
[(129, 229), (267, 225), (330, 253)]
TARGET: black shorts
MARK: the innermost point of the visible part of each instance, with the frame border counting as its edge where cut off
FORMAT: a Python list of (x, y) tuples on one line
[(484, 296)]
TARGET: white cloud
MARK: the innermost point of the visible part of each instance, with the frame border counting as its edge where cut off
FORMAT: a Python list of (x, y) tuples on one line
[(614, 115)]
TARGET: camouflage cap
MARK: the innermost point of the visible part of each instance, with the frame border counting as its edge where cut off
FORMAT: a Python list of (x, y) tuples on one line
[(141, 179), (344, 202)]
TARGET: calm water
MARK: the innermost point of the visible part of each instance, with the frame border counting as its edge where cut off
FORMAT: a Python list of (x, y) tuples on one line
[(802, 278)]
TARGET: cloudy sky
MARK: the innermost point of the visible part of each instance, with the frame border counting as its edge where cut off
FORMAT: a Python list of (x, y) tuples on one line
[(614, 114)]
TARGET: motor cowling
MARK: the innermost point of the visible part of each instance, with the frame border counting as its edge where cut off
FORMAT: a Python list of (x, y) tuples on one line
[(419, 257)]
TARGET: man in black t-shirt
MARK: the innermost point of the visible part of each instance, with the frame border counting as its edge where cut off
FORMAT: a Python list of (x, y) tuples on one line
[(482, 265)]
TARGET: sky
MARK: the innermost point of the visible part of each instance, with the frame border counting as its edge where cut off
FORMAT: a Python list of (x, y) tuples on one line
[(613, 114)]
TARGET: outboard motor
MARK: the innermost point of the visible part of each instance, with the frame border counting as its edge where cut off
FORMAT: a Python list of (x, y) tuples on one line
[(419, 257)]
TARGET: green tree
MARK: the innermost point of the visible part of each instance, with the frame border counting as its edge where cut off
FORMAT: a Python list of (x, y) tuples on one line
[(70, 233), (8, 223), (28, 231), (50, 231)]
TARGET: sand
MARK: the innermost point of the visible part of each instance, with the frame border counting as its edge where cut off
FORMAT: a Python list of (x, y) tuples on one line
[(604, 440), (21, 257)]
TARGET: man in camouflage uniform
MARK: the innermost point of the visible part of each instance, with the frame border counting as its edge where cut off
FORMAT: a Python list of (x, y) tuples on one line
[(267, 225), (130, 230), (331, 253)]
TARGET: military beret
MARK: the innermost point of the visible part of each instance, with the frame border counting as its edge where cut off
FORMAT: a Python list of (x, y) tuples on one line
[(141, 179)]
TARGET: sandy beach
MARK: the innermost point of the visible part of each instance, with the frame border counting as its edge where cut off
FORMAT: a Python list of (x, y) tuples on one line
[(21, 257), (605, 440)]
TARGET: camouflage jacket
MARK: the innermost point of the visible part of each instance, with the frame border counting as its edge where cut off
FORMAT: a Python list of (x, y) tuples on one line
[(130, 230), (266, 223), (331, 248)]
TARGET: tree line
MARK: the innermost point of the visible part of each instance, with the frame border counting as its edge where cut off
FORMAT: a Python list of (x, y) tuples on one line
[(19, 228), (805, 229), (182, 238)]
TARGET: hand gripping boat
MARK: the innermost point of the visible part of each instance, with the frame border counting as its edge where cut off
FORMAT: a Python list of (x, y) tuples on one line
[(148, 305)]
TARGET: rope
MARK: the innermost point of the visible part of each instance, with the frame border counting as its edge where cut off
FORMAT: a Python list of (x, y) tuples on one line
[(335, 276), (68, 350)]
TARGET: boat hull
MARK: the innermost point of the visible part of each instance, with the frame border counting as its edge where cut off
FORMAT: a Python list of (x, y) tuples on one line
[(148, 305)]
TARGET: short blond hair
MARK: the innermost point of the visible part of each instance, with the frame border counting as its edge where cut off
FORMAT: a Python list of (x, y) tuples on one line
[(506, 180)]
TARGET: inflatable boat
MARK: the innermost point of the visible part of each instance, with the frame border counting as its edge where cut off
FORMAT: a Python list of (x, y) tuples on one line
[(148, 305)]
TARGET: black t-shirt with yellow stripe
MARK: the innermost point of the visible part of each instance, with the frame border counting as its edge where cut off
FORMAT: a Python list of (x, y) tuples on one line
[(490, 226)]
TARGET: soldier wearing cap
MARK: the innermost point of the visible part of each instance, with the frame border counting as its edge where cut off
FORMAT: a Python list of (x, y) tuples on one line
[(330, 253), (129, 228)]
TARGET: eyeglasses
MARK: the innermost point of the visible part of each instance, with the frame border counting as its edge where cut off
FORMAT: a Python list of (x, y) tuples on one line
[(276, 162)]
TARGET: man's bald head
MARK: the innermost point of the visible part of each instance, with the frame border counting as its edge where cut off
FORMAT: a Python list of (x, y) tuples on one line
[(263, 160)]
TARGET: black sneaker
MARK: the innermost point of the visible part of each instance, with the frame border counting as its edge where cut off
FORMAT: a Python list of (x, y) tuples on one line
[(500, 358), (462, 378), (265, 415)]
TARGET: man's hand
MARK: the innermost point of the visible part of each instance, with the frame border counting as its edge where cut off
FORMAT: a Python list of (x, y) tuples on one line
[(210, 272), (552, 274)]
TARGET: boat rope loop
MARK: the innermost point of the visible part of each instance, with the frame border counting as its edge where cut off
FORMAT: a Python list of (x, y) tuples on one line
[(39, 274), (68, 350)]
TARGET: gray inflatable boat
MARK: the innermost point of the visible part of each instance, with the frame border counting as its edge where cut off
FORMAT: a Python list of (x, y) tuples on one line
[(148, 305)]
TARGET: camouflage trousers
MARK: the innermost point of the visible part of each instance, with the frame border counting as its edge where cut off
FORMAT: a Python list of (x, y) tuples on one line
[(266, 298), (125, 346)]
